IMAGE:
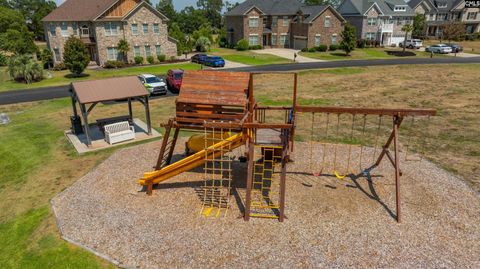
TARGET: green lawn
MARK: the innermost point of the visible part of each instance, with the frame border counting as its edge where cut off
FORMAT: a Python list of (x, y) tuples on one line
[(248, 57), (60, 77), (361, 54)]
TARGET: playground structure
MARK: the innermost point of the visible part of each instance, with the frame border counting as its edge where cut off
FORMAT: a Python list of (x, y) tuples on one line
[(221, 106)]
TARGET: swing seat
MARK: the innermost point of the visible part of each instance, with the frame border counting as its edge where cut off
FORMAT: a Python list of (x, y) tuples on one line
[(339, 176)]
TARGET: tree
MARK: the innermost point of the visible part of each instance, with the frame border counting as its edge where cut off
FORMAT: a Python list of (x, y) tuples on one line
[(34, 11), (75, 56), (47, 58), (334, 3), (419, 25), (14, 34), (349, 39), (212, 10), (229, 6), (23, 68), (407, 28), (202, 44), (166, 8), (123, 47), (453, 30), (190, 19)]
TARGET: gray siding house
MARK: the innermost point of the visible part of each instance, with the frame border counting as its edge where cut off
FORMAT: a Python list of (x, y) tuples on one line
[(101, 24), (378, 20)]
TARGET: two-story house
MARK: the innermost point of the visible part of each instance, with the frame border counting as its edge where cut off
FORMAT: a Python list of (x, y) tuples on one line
[(283, 24), (441, 12), (101, 24), (378, 20)]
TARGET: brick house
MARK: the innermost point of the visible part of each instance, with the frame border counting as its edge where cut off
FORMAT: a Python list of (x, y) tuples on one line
[(101, 24), (283, 24), (440, 12), (378, 20)]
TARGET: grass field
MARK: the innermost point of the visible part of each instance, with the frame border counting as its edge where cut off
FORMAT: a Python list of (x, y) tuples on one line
[(37, 162), (360, 54), (468, 46), (61, 77), (248, 57)]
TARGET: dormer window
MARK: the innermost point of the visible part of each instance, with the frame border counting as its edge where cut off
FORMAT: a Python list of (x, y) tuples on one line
[(85, 31), (400, 8)]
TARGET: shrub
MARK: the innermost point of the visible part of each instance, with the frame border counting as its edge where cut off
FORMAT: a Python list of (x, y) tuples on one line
[(47, 58), (151, 59), (255, 47), (138, 60), (305, 50), (242, 45), (222, 42), (312, 50), (75, 56), (24, 68), (172, 58), (162, 58), (59, 67), (333, 47), (202, 44), (114, 64), (322, 48), (361, 44), (3, 60)]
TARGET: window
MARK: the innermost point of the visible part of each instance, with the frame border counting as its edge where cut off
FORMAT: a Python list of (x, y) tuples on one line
[(334, 39), (284, 40), (145, 28), (158, 49), (112, 54), (274, 39), (253, 22), (156, 28), (372, 21), (327, 21), (472, 15), (111, 29), (400, 8), (136, 51), (58, 57), (318, 40), (75, 29), (286, 21), (64, 29), (134, 29), (370, 36), (264, 21), (253, 40), (85, 31), (148, 52), (274, 21), (53, 29)]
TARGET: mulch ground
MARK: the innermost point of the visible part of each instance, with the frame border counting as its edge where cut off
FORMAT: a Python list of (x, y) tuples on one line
[(331, 222)]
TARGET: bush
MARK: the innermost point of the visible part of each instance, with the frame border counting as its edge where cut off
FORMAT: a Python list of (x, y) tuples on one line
[(47, 58), (305, 50), (76, 56), (138, 60), (312, 50), (114, 64), (59, 67), (172, 58), (162, 58), (322, 48), (151, 59), (255, 47), (23, 68), (202, 44), (222, 42), (333, 47), (242, 45), (3, 60), (361, 44)]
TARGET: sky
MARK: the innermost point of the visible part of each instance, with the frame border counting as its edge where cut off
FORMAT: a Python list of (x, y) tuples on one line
[(179, 4)]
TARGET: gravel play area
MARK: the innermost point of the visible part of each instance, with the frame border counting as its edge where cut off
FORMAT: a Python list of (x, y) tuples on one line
[(331, 223)]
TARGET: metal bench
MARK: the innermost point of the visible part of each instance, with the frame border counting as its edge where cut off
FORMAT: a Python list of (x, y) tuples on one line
[(119, 132)]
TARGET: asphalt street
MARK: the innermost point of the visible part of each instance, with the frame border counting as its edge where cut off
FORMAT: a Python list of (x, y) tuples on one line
[(30, 95)]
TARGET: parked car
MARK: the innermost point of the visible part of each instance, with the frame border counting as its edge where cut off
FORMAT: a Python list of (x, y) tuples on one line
[(199, 58), (153, 84), (412, 43), (215, 61), (439, 48), (174, 80), (456, 48)]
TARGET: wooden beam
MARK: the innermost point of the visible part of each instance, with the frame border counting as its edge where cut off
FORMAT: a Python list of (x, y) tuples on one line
[(368, 111)]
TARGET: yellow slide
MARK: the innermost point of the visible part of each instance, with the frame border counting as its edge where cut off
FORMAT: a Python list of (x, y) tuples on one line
[(190, 162)]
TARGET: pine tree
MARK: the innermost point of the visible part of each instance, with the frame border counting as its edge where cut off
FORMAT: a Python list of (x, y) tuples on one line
[(349, 39)]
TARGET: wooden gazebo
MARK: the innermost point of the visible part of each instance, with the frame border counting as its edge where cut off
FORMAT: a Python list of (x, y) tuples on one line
[(89, 93)]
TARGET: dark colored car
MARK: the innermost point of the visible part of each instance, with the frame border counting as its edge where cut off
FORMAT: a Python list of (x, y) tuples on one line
[(199, 58), (174, 80), (456, 48), (215, 61)]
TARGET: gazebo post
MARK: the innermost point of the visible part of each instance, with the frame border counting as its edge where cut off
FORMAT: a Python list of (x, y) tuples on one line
[(130, 111), (147, 113), (74, 102), (85, 122)]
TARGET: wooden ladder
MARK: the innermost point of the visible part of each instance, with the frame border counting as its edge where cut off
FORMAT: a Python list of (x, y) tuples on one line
[(168, 145)]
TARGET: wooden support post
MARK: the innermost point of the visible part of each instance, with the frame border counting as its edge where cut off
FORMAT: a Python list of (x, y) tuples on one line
[(150, 188), (172, 146), (248, 198), (396, 124), (283, 176), (130, 111), (397, 121), (85, 124), (166, 137), (147, 113)]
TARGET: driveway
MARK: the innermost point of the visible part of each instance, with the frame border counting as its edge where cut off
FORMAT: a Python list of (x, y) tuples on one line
[(287, 54)]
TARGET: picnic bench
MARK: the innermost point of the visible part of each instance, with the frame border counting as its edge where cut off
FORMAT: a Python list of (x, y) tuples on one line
[(119, 132), (101, 123)]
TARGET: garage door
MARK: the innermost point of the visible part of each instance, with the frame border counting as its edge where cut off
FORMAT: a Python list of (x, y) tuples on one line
[(299, 43)]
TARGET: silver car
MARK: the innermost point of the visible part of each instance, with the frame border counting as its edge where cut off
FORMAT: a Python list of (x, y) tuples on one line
[(439, 48), (153, 84)]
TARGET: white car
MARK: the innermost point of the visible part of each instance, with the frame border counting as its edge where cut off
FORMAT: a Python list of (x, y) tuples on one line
[(439, 48), (412, 43), (153, 84)]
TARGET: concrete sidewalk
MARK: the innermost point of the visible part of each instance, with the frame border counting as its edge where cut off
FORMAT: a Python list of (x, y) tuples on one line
[(288, 54)]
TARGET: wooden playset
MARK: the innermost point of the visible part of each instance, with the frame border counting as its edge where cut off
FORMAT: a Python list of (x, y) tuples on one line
[(221, 106)]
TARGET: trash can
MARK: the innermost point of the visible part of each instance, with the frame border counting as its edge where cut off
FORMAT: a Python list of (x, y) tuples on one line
[(76, 125)]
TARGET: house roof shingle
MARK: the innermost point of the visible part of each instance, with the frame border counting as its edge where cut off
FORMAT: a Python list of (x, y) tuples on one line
[(386, 6), (272, 7), (79, 10)]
